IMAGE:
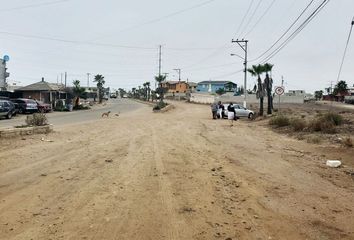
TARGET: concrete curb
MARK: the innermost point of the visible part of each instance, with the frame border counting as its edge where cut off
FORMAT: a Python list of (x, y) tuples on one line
[(15, 132)]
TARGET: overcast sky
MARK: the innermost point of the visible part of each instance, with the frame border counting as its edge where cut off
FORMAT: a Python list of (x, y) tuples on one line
[(120, 39)]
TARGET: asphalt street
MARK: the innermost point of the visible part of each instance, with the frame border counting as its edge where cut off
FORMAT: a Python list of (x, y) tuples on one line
[(65, 118)]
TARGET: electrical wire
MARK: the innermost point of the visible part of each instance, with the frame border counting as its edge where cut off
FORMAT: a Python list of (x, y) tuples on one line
[(251, 18), (74, 41), (297, 31), (345, 50), (284, 34), (159, 18), (33, 5), (260, 18), (244, 17)]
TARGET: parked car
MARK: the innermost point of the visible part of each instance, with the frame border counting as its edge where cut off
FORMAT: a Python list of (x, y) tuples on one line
[(113, 95), (43, 107), (26, 105), (7, 109), (240, 111)]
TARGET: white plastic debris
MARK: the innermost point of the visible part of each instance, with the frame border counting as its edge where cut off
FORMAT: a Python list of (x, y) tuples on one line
[(333, 163)]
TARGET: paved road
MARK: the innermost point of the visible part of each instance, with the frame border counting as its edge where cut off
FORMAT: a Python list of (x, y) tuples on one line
[(65, 118)]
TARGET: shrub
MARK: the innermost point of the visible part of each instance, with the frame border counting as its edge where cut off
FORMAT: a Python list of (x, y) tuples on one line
[(348, 142), (279, 121), (159, 106), (335, 118), (37, 119), (326, 123), (298, 124), (319, 124)]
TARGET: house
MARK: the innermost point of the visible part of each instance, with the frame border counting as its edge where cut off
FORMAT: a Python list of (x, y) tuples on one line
[(213, 86), (192, 87), (43, 91), (175, 86)]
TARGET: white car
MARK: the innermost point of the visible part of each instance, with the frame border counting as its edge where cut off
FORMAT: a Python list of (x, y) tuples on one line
[(240, 111)]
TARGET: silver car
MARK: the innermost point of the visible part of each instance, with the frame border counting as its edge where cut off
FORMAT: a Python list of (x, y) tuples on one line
[(240, 111)]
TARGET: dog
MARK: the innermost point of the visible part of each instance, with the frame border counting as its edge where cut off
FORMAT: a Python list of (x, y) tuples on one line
[(106, 114)]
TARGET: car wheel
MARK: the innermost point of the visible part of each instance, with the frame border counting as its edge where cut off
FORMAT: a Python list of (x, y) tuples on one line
[(9, 115), (250, 116)]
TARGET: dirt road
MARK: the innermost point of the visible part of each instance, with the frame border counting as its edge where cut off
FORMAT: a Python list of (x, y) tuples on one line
[(177, 175)]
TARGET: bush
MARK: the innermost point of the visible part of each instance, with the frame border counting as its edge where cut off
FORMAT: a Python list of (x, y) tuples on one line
[(348, 142), (37, 119), (159, 106), (298, 124), (335, 118), (320, 124), (279, 121)]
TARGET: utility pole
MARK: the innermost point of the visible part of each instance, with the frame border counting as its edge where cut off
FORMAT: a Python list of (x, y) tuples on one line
[(61, 78), (88, 79), (160, 60), (244, 45), (179, 73), (66, 75)]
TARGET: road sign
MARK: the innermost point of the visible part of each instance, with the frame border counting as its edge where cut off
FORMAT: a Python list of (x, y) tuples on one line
[(6, 58), (279, 90)]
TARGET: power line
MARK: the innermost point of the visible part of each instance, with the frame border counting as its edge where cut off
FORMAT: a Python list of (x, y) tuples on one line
[(283, 35), (345, 50), (33, 5), (228, 74), (252, 16), (260, 18), (160, 18), (297, 31), (74, 41), (244, 17)]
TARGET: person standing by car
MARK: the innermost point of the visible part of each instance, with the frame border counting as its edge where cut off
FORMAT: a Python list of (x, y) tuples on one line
[(214, 110), (231, 115), (221, 110)]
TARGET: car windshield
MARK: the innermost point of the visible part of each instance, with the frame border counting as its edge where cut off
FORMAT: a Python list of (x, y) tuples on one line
[(31, 101)]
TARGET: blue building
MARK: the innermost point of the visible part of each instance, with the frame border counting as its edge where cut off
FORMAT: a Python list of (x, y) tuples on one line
[(213, 86)]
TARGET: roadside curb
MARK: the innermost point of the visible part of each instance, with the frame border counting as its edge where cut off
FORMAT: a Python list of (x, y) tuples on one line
[(14, 132)]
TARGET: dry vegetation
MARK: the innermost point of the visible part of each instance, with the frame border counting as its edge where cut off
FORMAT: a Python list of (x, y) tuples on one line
[(315, 123)]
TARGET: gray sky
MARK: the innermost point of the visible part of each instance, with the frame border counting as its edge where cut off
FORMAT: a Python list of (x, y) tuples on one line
[(198, 40)]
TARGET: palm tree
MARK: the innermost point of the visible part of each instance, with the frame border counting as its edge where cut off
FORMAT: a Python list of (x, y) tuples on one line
[(160, 90), (99, 79), (78, 92), (256, 71), (268, 82)]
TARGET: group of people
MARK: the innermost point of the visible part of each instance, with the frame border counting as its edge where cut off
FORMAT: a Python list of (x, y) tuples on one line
[(218, 111)]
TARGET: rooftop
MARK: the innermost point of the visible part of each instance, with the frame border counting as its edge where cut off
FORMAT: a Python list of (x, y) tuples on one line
[(42, 86)]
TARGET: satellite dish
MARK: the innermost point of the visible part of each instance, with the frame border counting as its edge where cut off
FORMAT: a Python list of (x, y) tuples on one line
[(6, 58)]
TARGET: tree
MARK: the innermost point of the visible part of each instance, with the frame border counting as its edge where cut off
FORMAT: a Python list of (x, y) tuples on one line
[(160, 90), (220, 91), (229, 87), (259, 88), (341, 88), (318, 95), (79, 92), (268, 82), (122, 92), (99, 79)]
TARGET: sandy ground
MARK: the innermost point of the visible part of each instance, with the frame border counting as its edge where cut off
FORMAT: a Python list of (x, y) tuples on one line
[(177, 175)]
